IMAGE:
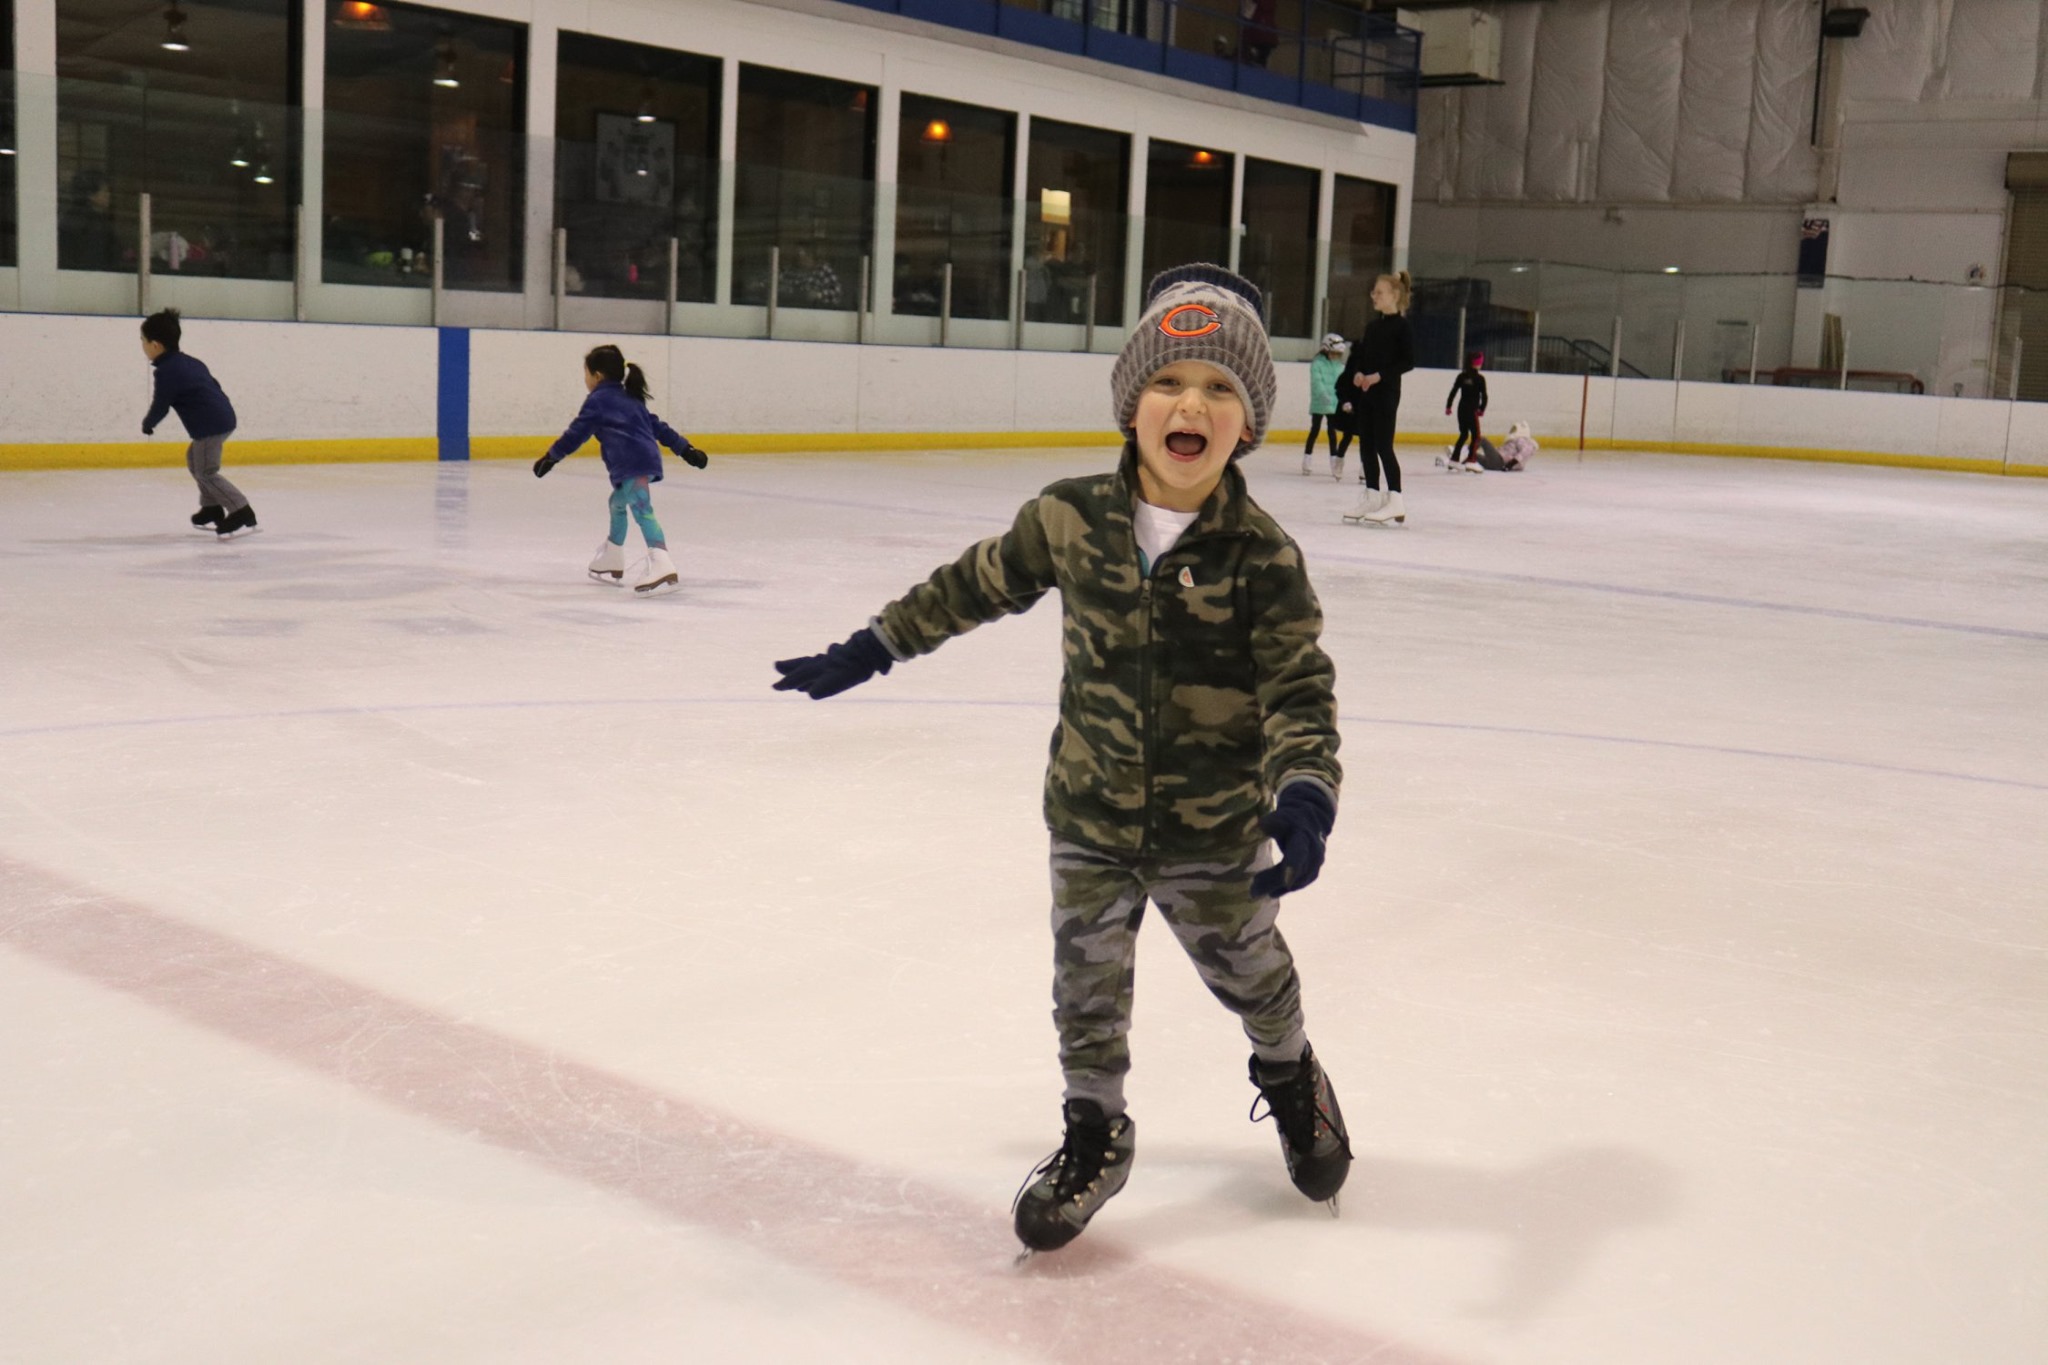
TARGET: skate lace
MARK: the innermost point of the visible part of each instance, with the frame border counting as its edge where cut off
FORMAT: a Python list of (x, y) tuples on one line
[(1296, 1106), (1074, 1166)]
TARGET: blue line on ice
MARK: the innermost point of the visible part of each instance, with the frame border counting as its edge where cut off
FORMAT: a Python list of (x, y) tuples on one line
[(1522, 731)]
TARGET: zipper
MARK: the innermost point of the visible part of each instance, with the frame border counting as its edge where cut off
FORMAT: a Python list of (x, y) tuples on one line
[(1146, 709)]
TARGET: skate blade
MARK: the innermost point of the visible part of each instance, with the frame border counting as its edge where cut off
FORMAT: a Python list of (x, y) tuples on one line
[(1333, 1206), (666, 585), (238, 535), (610, 580)]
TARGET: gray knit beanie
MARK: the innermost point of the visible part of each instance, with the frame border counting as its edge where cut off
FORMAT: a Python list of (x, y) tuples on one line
[(1200, 312)]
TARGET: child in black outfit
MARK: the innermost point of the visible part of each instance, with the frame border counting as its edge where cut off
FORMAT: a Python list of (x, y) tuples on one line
[(184, 385), (1468, 392)]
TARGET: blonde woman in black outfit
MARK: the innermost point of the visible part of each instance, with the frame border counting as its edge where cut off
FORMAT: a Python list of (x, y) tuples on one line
[(1369, 395)]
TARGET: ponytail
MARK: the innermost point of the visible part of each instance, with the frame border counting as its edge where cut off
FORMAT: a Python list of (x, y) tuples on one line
[(609, 362)]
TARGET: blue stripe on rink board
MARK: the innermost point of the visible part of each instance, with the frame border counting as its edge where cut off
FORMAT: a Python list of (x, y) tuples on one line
[(451, 420)]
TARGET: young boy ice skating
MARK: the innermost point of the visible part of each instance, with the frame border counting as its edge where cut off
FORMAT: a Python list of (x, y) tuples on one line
[(184, 385), (1196, 721)]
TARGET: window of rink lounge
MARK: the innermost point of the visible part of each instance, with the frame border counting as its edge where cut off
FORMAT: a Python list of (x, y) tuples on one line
[(9, 161), (425, 114), (193, 103), (804, 185), (953, 167), (1278, 252), (1077, 188), (1187, 206), (1361, 249), (636, 165)]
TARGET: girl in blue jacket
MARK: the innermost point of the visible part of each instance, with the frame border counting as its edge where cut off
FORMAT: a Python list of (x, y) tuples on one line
[(616, 413)]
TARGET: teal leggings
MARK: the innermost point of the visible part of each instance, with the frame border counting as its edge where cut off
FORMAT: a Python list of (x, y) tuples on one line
[(631, 496)]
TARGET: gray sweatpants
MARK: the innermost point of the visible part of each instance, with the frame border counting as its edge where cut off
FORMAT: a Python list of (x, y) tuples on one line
[(202, 457), (1098, 901)]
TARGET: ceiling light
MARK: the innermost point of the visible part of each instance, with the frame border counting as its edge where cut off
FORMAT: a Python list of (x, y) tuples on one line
[(444, 69), (1671, 270), (174, 30), (938, 130), (263, 176)]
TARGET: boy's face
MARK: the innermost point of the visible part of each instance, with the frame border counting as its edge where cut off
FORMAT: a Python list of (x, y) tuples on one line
[(152, 349), (1188, 424)]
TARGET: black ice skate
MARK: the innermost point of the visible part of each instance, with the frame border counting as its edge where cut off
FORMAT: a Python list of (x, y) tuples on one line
[(240, 522), (1300, 1100), (1066, 1189), (205, 518)]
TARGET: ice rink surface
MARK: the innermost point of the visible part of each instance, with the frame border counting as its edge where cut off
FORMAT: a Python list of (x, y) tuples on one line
[(412, 951)]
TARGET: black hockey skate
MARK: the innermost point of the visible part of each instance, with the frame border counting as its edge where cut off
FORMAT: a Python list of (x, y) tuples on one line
[(206, 517), (1300, 1100), (1066, 1189), (240, 522)]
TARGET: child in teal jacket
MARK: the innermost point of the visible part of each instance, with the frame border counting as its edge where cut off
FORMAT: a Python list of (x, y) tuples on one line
[(1322, 403)]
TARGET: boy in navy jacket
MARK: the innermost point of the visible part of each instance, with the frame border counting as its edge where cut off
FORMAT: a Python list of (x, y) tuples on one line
[(185, 386)]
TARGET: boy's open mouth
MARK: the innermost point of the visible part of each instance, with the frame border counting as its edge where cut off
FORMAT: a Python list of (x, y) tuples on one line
[(1186, 445)]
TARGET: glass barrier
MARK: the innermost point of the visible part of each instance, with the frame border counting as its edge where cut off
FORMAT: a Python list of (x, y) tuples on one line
[(388, 179), (810, 231), (623, 204), (10, 197), (225, 179), (937, 228), (221, 178)]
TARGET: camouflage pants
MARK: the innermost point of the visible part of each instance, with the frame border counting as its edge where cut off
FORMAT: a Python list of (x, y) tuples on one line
[(1098, 901)]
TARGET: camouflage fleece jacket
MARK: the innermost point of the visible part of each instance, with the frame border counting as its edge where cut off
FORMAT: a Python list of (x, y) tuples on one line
[(1191, 695)]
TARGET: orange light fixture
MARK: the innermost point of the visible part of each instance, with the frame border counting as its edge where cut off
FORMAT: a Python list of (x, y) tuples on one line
[(1202, 158), (938, 130)]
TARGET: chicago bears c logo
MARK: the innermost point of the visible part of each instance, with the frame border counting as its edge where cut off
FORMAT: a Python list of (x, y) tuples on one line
[(1171, 325)]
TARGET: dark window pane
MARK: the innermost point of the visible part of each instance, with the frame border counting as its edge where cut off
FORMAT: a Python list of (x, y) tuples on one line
[(805, 183), (1187, 206), (1361, 248), (636, 164), (1279, 249), (8, 159), (425, 114), (1076, 186), (193, 106), (953, 206)]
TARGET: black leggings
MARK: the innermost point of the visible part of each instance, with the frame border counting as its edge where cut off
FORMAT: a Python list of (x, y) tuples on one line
[(1376, 442), (1323, 421), (1468, 430)]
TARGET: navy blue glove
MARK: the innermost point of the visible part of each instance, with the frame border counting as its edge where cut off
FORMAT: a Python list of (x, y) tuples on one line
[(544, 464), (695, 458), (1299, 822), (819, 676)]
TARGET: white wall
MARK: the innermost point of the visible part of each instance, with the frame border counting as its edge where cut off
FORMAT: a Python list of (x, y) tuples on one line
[(74, 380), (81, 379)]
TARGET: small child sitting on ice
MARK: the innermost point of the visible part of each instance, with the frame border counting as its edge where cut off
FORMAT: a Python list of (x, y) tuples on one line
[(1516, 449)]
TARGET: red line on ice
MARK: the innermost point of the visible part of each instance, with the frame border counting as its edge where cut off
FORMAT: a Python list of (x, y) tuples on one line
[(879, 1231)]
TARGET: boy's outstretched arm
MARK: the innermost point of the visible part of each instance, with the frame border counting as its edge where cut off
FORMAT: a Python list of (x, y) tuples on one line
[(997, 577), (1298, 703)]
